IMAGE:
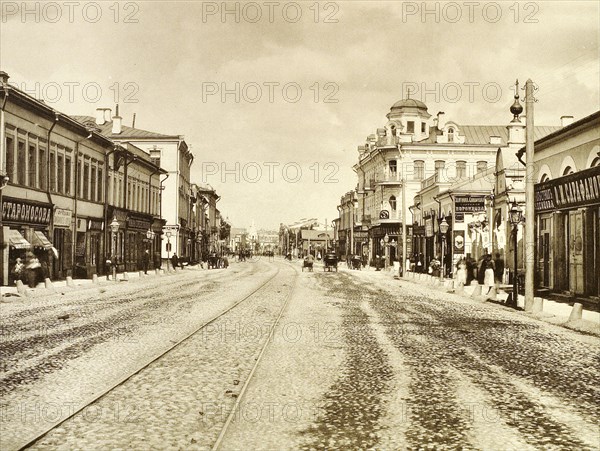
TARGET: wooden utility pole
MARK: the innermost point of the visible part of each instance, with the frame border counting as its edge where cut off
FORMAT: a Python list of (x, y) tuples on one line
[(404, 240), (529, 199)]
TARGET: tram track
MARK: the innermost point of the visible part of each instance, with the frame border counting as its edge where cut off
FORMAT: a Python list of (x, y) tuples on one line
[(175, 344), (240, 396)]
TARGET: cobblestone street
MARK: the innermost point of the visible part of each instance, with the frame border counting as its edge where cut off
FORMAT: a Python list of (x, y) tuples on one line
[(348, 360)]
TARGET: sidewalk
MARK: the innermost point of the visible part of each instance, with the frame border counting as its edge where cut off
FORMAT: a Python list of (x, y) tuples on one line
[(8, 294), (553, 312)]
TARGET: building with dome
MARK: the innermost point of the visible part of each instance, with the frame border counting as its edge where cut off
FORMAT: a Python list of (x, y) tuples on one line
[(417, 153)]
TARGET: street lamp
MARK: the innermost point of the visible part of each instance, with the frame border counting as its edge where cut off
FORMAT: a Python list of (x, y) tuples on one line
[(516, 216), (168, 235), (443, 230), (114, 228)]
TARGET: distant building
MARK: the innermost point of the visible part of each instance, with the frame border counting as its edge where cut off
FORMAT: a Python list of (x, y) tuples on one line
[(412, 153)]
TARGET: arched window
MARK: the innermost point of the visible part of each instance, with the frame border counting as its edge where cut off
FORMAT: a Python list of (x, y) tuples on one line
[(393, 165), (419, 170), (544, 178), (450, 135), (461, 169), (393, 203), (595, 162), (439, 168), (568, 170)]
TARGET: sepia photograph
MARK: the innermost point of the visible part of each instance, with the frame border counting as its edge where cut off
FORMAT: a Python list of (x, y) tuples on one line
[(311, 225)]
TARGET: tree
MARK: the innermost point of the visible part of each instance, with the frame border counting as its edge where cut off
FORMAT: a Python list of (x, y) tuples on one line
[(225, 230)]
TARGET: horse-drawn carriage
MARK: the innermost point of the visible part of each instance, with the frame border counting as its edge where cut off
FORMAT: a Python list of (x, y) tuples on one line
[(308, 263), (355, 262), (330, 262), (214, 261)]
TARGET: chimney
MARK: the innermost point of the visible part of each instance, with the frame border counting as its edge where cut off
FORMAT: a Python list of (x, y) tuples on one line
[(100, 116), (116, 126), (441, 121), (107, 114), (3, 77), (566, 120)]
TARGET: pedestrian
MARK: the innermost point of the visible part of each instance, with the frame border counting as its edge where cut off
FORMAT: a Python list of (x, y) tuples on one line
[(146, 260), (470, 264), (18, 270), (175, 261), (461, 272), (488, 271), (480, 274), (498, 269), (420, 263), (33, 269), (225, 262)]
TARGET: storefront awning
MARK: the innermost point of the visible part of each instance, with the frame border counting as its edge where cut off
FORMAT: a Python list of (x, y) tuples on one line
[(39, 239), (16, 240)]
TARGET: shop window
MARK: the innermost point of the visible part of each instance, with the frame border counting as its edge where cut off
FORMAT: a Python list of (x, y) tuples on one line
[(31, 162), (419, 170), (21, 163)]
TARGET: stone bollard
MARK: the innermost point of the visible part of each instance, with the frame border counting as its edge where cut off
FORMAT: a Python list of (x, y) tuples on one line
[(538, 305), (48, 284), (492, 294), (157, 271), (21, 289), (460, 288), (125, 277), (94, 278), (70, 282), (476, 291), (141, 273), (577, 312), (161, 272), (449, 284)]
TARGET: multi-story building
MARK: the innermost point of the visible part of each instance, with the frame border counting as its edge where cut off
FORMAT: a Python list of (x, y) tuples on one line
[(567, 209), (411, 153), (349, 242), (171, 153), (61, 189)]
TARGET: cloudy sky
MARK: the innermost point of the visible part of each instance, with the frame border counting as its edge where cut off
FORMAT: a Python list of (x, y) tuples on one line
[(291, 89)]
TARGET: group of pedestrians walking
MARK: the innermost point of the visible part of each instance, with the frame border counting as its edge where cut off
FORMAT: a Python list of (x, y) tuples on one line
[(487, 271), (31, 272)]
